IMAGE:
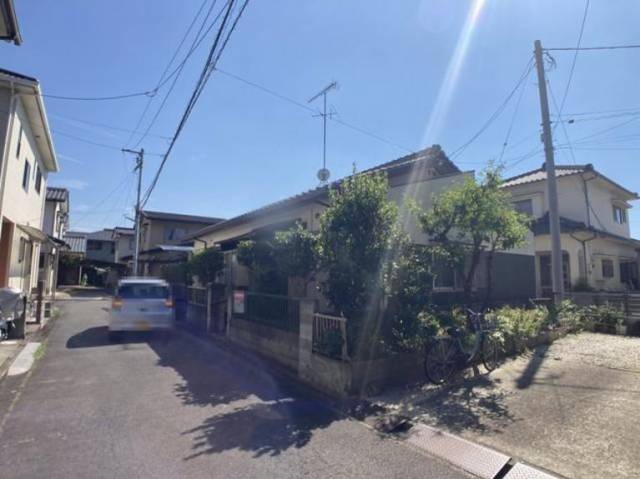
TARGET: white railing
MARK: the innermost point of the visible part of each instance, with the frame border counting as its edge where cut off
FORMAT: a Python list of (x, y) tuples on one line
[(330, 336)]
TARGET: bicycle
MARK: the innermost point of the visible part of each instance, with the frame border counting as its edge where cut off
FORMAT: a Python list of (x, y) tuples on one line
[(446, 354)]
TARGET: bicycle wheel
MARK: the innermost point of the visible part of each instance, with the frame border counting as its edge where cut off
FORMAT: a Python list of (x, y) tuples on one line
[(490, 352), (440, 361)]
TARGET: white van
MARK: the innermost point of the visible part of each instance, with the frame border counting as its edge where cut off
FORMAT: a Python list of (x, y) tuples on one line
[(141, 304)]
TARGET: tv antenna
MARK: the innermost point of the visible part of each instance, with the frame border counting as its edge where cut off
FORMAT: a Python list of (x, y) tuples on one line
[(323, 173)]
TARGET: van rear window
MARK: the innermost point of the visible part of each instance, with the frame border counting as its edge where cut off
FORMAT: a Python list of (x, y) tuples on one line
[(143, 291)]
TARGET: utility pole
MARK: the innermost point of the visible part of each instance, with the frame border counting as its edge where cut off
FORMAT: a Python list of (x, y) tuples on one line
[(323, 174), (557, 280), (136, 252)]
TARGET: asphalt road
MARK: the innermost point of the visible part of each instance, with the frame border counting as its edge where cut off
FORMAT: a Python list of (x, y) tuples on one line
[(186, 408)]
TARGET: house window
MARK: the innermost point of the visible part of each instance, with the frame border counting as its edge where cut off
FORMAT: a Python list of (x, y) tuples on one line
[(94, 245), (22, 250), (171, 234), (444, 275), (38, 179), (619, 215), (25, 176), (19, 146), (607, 268), (113, 247), (545, 271), (524, 207)]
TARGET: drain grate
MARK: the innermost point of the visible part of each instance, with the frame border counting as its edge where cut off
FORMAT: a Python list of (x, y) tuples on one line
[(479, 460), (521, 471)]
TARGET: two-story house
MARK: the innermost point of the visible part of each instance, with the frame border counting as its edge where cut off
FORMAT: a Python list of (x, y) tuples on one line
[(598, 251), (55, 224), (124, 239), (26, 158), (162, 236)]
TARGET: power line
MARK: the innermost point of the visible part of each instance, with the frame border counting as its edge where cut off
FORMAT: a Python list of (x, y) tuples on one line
[(149, 93), (458, 151), (582, 49), (208, 67), (575, 59), (177, 72), (91, 142), (513, 120), (104, 125), (307, 108)]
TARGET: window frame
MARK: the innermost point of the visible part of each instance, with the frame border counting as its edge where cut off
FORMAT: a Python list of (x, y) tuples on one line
[(26, 176), (619, 214), (603, 271), (529, 201), (38, 179)]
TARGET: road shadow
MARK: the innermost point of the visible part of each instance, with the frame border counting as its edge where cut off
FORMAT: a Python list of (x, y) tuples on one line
[(98, 336), (476, 404), (533, 366), (252, 409)]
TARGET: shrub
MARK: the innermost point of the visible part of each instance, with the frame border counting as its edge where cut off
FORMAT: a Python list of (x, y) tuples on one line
[(177, 273), (515, 326), (572, 317), (605, 316), (206, 264)]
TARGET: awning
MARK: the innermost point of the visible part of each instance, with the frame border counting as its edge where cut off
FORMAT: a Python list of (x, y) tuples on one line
[(58, 242), (34, 233)]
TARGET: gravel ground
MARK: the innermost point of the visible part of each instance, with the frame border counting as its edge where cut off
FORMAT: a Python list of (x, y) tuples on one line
[(571, 407)]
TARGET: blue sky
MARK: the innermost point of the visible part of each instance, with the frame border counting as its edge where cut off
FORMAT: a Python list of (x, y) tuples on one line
[(393, 60)]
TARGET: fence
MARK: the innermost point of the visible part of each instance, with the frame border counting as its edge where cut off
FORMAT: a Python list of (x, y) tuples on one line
[(281, 312), (330, 336)]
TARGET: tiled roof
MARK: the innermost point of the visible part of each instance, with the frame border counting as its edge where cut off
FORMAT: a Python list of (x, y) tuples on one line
[(160, 215), (564, 170), (57, 194), (17, 75), (428, 158), (77, 241), (541, 174)]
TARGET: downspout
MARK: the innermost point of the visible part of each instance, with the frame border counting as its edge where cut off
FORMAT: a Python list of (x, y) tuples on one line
[(586, 200)]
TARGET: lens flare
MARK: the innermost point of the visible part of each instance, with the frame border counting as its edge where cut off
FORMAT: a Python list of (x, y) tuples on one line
[(448, 85)]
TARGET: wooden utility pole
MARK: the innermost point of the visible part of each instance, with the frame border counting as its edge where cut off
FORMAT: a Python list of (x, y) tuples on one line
[(136, 252), (557, 280)]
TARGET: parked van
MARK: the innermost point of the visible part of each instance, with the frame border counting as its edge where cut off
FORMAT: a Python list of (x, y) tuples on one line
[(141, 304)]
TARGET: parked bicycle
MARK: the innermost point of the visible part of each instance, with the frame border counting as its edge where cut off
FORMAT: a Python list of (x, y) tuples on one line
[(446, 354)]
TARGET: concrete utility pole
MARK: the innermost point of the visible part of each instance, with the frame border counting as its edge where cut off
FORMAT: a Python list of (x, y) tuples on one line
[(136, 252), (557, 280)]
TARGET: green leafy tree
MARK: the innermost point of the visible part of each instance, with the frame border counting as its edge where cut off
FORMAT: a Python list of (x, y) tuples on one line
[(471, 218), (206, 264), (177, 273), (357, 250), (295, 253)]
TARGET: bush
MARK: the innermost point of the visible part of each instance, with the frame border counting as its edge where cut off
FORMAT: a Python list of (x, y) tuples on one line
[(605, 317), (572, 317), (206, 264), (515, 326), (177, 273)]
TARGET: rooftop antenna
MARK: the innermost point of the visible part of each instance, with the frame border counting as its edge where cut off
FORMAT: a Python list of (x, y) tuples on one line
[(323, 173)]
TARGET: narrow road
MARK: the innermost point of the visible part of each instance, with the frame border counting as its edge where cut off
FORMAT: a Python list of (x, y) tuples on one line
[(149, 409)]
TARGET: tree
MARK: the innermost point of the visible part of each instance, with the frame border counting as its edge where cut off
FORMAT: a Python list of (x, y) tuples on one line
[(295, 253), (357, 250), (470, 218), (206, 264)]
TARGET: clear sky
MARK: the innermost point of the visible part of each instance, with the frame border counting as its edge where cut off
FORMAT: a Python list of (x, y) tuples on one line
[(415, 72)]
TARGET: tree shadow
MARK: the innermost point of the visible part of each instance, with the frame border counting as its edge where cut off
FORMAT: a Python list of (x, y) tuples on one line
[(475, 404), (252, 409)]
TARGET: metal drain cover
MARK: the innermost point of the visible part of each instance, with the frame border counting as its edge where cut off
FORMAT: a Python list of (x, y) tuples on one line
[(521, 471), (476, 459)]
